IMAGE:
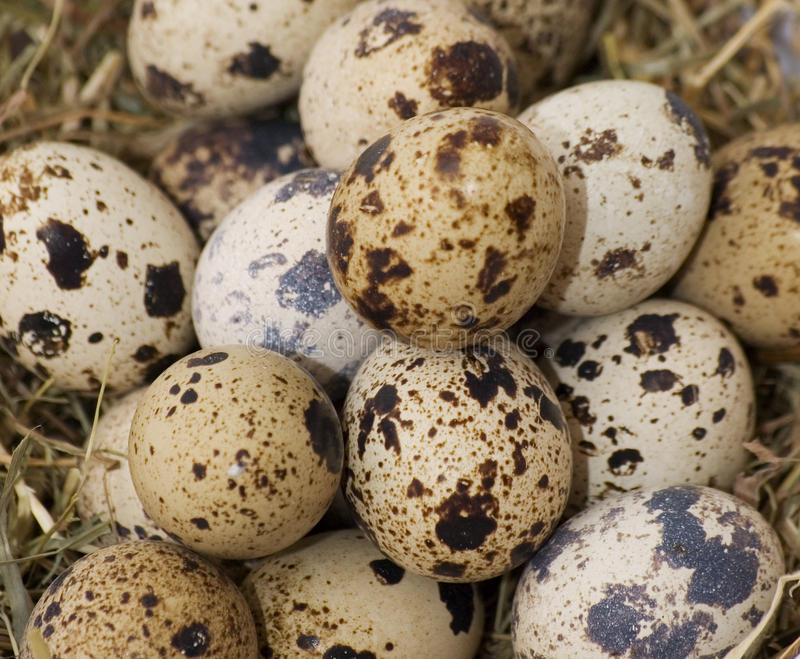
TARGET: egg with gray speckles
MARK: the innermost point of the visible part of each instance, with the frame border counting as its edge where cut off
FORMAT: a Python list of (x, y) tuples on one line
[(637, 177), (744, 269), (389, 60), (334, 595), (91, 254), (448, 228), (209, 169), (458, 463), (141, 599), (685, 571), (235, 454), (263, 281), (659, 394)]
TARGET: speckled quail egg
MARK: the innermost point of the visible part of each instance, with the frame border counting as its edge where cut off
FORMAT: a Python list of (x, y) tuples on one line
[(334, 595), (744, 269), (659, 394), (389, 60), (209, 169), (637, 178), (448, 227), (91, 254), (458, 462), (263, 281), (547, 37), (141, 599), (671, 573), (226, 58), (235, 454), (108, 490)]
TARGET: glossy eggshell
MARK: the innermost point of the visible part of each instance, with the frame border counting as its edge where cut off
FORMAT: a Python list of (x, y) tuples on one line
[(335, 595), (458, 463), (224, 59), (389, 60), (659, 394), (447, 228), (142, 599), (263, 281), (236, 454), (684, 571), (108, 490), (90, 254), (744, 269), (637, 177), (209, 169)]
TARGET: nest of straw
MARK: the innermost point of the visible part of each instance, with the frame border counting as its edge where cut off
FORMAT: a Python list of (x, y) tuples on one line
[(63, 76)]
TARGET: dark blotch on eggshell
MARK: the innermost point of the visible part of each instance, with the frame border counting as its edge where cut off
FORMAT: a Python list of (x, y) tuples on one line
[(45, 334), (346, 652), (323, 428), (192, 640), (570, 353), (690, 394), (464, 520), (766, 285), (682, 114), (493, 375), (68, 252), (563, 538), (548, 410), (589, 370), (651, 334), (163, 290), (340, 241), (161, 85), (258, 62), (726, 364), (207, 360), (624, 461), (308, 286), (449, 569), (466, 73), (387, 572), (614, 261), (658, 380), (314, 182), (393, 23), (367, 162), (405, 108), (458, 598)]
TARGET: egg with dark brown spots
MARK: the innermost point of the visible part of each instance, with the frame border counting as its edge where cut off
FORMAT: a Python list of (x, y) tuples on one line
[(108, 491), (659, 394), (334, 595), (92, 258), (209, 169), (224, 59), (458, 463), (447, 228), (235, 453), (744, 269), (637, 177), (684, 571), (389, 60), (141, 599)]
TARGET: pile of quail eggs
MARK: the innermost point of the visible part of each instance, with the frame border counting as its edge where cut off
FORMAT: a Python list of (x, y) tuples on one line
[(323, 338)]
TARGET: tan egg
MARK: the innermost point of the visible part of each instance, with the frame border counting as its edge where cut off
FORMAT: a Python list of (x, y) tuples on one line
[(659, 394), (141, 599), (547, 37), (744, 269), (637, 178), (684, 571), (389, 60), (237, 454), (447, 228), (458, 463), (224, 59), (334, 595), (209, 169), (91, 254), (108, 491)]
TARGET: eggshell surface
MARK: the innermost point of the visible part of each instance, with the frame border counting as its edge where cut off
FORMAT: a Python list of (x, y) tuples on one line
[(679, 572), (91, 254), (389, 60), (142, 599), (744, 269), (458, 463), (659, 394), (336, 595), (237, 455), (637, 178), (447, 228)]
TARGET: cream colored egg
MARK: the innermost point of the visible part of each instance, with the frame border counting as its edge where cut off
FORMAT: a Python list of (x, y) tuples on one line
[(684, 571), (637, 178), (334, 595), (224, 59), (263, 281), (236, 454), (92, 257), (108, 490), (659, 394), (744, 269), (447, 228), (458, 463), (389, 60), (141, 599)]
